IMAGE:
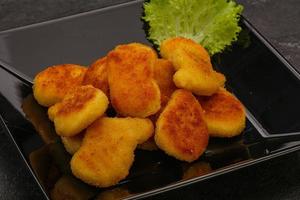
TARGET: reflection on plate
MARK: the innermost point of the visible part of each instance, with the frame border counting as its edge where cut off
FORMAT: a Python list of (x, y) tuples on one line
[(151, 169)]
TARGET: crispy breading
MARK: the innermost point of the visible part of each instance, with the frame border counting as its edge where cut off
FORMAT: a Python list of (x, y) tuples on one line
[(133, 91), (180, 129), (107, 151), (96, 75), (224, 114), (163, 74), (72, 144), (194, 71), (52, 84), (78, 109), (53, 110)]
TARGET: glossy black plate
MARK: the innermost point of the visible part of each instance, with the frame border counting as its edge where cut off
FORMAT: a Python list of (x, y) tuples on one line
[(258, 75)]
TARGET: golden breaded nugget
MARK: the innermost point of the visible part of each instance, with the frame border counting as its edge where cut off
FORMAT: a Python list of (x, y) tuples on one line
[(180, 129), (224, 114), (78, 109), (194, 71), (72, 144), (96, 75), (52, 111), (52, 84), (163, 74), (133, 91), (107, 151)]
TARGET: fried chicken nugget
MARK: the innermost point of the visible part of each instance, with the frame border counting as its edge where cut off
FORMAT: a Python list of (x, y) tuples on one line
[(194, 71), (107, 151), (133, 90), (52, 84), (72, 144), (78, 109), (224, 114), (180, 129), (163, 74), (96, 75)]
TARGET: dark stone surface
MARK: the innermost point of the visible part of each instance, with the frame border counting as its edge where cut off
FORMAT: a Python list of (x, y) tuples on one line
[(278, 179), (15, 13), (279, 22), (16, 181)]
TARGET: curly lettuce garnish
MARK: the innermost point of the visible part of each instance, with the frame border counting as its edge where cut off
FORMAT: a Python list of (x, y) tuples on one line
[(211, 23)]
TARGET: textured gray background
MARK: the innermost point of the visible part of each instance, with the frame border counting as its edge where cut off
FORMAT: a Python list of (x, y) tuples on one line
[(277, 20)]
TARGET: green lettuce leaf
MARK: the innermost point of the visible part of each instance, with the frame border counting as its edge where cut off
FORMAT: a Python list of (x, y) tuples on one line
[(211, 23)]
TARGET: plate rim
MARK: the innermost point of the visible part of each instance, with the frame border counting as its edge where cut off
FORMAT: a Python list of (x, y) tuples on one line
[(7, 131), (175, 185), (77, 15)]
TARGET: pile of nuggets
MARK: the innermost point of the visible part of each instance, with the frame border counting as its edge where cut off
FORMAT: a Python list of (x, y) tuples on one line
[(174, 103)]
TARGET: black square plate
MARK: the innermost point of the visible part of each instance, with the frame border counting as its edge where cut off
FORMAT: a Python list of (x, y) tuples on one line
[(257, 74)]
